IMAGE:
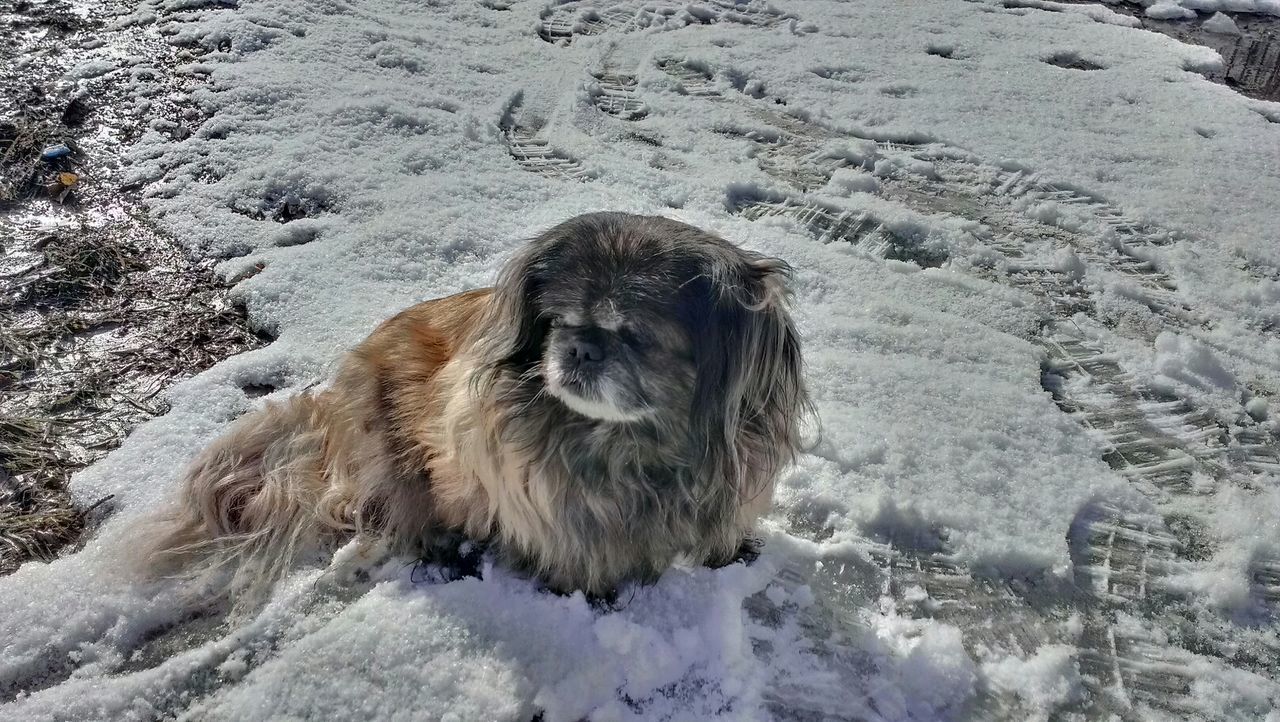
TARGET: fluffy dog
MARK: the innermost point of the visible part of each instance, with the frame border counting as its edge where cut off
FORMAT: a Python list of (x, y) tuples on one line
[(624, 396)]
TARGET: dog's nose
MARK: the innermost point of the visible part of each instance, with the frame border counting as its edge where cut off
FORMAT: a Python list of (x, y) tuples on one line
[(585, 353)]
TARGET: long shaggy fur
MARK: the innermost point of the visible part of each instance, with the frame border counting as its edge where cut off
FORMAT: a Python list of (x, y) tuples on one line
[(445, 420)]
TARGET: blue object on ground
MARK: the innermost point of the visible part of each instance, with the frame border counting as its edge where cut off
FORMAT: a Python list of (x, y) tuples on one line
[(54, 152)]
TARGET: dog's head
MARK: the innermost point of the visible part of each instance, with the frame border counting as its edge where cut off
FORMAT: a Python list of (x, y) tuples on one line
[(628, 319)]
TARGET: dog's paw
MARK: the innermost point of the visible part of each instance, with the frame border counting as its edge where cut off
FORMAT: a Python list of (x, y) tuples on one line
[(449, 562), (747, 552)]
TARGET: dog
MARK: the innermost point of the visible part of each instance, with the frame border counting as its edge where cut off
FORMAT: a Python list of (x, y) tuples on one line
[(624, 397)]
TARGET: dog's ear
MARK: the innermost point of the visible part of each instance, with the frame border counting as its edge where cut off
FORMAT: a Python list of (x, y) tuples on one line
[(513, 330), (749, 396)]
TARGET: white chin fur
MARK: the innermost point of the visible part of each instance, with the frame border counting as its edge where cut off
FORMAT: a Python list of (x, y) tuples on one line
[(601, 410)]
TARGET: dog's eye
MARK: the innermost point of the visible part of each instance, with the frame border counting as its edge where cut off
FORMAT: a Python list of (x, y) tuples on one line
[(630, 337), (557, 322)]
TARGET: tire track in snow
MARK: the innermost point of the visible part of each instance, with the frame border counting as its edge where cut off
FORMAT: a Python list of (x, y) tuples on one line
[(932, 178), (1120, 560), (796, 611), (860, 229), (1166, 445), (1153, 433), (816, 607)]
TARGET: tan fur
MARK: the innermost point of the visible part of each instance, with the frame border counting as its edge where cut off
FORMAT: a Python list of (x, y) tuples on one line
[(312, 468)]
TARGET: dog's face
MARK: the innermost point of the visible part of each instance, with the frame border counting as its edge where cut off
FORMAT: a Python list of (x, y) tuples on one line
[(612, 307), (615, 348), (625, 319)]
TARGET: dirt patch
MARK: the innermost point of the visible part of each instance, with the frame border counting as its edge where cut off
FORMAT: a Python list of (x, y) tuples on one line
[(100, 311)]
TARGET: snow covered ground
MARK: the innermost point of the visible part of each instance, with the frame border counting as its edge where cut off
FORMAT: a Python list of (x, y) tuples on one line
[(1039, 284)]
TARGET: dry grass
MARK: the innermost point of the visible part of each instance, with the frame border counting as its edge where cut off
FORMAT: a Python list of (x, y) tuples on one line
[(89, 335), (21, 141), (37, 516)]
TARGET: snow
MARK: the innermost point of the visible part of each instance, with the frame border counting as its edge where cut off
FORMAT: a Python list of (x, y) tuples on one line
[(1188, 8), (381, 121), (1258, 408), (1169, 10), (92, 69), (846, 180), (938, 676), (1096, 12), (1220, 23), (1191, 367), (1045, 681)]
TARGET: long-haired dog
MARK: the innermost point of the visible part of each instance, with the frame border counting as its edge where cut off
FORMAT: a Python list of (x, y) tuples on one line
[(624, 396)]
